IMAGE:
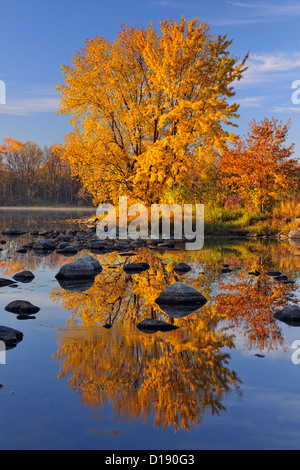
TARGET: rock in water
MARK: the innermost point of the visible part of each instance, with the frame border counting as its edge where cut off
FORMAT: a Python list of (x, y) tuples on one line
[(67, 250), (42, 244), (24, 276), (6, 282), (180, 293), (95, 263), (289, 315), (10, 337), (82, 267), (182, 268), (151, 325), (179, 300), (12, 231), (22, 307), (135, 268)]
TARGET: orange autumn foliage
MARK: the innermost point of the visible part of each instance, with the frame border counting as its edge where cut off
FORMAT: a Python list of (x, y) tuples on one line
[(147, 109), (259, 166)]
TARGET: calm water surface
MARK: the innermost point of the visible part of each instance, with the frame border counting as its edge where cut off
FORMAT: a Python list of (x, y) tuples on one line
[(223, 380)]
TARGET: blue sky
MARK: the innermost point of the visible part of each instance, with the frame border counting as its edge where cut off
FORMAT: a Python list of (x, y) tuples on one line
[(38, 37)]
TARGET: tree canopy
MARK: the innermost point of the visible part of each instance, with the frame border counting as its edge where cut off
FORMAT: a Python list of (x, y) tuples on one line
[(259, 166), (148, 110)]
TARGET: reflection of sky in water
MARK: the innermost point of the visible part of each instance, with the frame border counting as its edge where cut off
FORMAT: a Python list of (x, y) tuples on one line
[(37, 410)]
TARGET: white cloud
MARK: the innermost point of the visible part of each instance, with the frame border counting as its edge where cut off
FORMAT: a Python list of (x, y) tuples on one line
[(241, 13), (275, 63), (250, 102), (29, 106), (269, 9), (271, 67), (287, 109)]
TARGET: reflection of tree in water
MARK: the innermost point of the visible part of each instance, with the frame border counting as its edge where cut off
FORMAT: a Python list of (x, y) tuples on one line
[(178, 376), (250, 302), (118, 296)]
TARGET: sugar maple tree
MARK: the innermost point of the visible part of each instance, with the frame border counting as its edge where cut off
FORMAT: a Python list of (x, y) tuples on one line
[(259, 166), (147, 108)]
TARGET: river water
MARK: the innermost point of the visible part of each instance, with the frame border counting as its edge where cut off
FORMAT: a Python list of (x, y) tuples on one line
[(226, 378)]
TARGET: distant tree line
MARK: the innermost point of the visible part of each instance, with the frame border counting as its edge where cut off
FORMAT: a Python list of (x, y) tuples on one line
[(30, 174)]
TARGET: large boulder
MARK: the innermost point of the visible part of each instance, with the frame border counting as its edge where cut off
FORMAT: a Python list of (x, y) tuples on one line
[(289, 315), (180, 293), (83, 267), (294, 233), (95, 263), (22, 307), (179, 300)]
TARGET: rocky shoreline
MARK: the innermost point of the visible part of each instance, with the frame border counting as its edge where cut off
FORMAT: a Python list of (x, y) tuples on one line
[(176, 300)]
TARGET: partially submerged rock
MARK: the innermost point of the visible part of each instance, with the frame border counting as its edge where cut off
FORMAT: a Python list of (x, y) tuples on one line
[(67, 250), (182, 268), (151, 325), (135, 268), (10, 337), (180, 293), (85, 266), (24, 276), (6, 282), (96, 244), (95, 263), (62, 245), (43, 244), (289, 315), (12, 231), (22, 307), (179, 300)]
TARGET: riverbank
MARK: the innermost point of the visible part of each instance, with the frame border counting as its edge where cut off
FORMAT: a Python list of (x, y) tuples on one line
[(247, 225), (49, 208)]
